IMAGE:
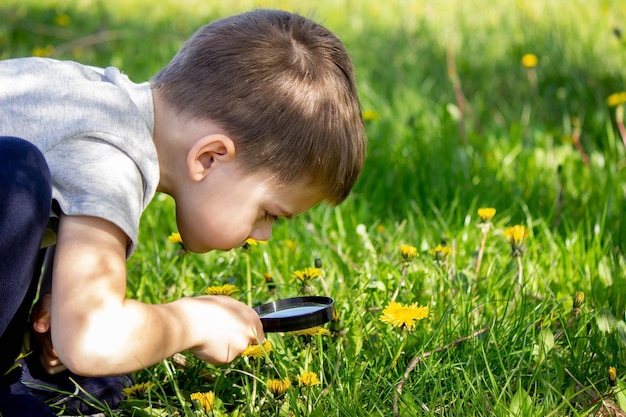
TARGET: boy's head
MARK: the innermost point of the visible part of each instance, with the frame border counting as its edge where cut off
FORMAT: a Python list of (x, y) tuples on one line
[(283, 88)]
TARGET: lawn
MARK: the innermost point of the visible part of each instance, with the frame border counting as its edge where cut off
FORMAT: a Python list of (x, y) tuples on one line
[(510, 105)]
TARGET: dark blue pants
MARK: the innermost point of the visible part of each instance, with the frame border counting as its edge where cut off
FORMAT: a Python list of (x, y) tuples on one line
[(25, 200)]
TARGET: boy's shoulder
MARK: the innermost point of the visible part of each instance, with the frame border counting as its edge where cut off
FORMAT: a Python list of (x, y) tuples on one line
[(94, 127)]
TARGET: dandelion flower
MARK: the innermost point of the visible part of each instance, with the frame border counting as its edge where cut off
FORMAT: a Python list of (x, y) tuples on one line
[(408, 252), (370, 115), (253, 242), (175, 238), (308, 379), (206, 400), (612, 376), (62, 20), (516, 235), (441, 251), (486, 213), (616, 99), (403, 316), (258, 351), (579, 299), (313, 331), (138, 390), (226, 289), (278, 386), (43, 52), (530, 60), (307, 274)]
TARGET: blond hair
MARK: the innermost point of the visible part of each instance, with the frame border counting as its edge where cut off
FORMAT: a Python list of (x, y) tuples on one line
[(283, 87)]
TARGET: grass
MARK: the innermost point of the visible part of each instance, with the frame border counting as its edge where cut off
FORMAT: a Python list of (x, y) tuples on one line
[(455, 123)]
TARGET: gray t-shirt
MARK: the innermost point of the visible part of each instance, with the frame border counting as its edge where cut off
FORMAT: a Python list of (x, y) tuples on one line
[(94, 127)]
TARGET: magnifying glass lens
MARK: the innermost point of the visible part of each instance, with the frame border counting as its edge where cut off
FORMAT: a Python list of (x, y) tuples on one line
[(297, 313)]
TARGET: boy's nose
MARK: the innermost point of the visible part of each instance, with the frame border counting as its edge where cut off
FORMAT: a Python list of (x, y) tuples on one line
[(262, 232)]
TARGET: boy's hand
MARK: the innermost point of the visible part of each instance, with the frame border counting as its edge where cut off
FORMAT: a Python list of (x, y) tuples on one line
[(40, 317), (224, 326)]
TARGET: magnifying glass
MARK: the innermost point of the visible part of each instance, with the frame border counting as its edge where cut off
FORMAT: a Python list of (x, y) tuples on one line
[(290, 314)]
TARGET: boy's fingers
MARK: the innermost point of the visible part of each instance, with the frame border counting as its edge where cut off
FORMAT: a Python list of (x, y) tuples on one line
[(41, 314), (41, 323)]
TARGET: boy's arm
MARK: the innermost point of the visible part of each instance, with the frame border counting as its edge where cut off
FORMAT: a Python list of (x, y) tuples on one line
[(97, 331)]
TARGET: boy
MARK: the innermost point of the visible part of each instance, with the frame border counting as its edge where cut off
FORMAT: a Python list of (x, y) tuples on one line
[(255, 118)]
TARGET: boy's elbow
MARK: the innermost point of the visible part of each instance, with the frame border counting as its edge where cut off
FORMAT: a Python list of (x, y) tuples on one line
[(86, 355)]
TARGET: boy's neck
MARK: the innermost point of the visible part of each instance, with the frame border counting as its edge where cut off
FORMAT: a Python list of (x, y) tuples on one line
[(166, 144)]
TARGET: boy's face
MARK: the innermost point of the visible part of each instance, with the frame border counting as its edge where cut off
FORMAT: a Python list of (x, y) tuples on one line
[(228, 207)]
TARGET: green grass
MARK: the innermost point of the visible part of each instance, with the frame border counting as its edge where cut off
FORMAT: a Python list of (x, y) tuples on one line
[(424, 180)]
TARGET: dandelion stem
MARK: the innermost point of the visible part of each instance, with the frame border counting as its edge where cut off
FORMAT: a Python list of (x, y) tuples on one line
[(461, 101), (181, 284), (520, 273), (400, 283), (248, 280), (619, 118), (398, 354), (578, 144), (254, 388), (481, 251)]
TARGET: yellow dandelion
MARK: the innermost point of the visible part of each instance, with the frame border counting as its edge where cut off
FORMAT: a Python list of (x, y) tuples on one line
[(403, 316), (308, 379), (370, 115), (62, 20), (408, 252), (486, 213), (258, 351), (313, 331), (290, 244), (138, 390), (278, 386), (516, 235), (175, 238), (253, 242), (579, 299), (43, 52), (616, 99), (612, 376), (307, 274), (226, 289), (206, 400), (530, 60), (441, 251)]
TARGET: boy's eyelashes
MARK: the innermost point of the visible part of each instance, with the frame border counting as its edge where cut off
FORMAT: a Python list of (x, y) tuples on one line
[(270, 217)]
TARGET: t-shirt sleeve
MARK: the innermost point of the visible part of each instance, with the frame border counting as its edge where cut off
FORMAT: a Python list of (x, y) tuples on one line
[(94, 178)]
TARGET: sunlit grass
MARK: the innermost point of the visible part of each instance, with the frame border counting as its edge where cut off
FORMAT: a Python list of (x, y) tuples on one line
[(457, 122)]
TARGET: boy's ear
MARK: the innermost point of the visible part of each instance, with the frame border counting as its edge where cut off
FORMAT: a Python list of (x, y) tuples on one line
[(206, 151)]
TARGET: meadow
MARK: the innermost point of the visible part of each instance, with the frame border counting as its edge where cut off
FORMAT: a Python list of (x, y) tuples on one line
[(443, 308)]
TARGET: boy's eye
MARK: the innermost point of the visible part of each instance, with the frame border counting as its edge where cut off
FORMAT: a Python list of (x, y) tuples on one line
[(270, 217)]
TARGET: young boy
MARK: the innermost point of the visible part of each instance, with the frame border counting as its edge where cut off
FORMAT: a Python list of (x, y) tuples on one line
[(255, 118)]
